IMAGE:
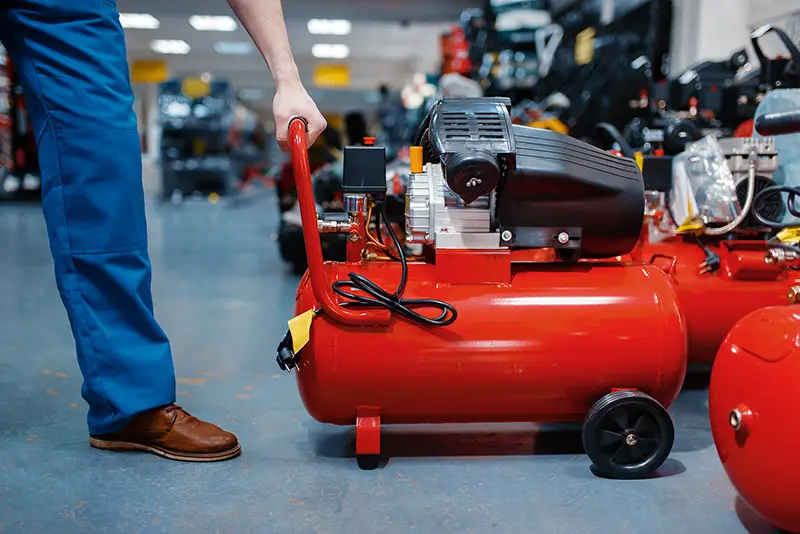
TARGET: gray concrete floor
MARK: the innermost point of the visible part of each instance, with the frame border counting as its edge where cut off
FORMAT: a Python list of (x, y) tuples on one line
[(223, 296)]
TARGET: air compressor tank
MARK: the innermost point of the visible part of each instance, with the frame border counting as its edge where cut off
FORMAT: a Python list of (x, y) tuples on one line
[(753, 403), (544, 347), (713, 301)]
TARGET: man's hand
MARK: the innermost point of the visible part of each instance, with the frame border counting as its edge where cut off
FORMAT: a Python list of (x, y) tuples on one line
[(263, 20), (292, 101)]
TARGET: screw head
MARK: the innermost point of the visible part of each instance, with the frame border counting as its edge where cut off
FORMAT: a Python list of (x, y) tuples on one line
[(506, 235), (793, 294), (563, 238), (354, 237), (735, 419), (631, 439)]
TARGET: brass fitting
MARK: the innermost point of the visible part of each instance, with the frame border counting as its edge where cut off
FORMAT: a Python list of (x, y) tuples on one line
[(334, 227)]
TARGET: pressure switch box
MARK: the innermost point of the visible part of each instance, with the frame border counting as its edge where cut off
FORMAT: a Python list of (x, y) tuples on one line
[(364, 170)]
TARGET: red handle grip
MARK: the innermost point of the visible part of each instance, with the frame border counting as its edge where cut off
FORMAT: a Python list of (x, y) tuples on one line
[(308, 214)]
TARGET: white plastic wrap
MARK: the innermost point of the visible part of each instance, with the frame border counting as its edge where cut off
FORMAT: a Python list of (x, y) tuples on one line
[(661, 226), (703, 186)]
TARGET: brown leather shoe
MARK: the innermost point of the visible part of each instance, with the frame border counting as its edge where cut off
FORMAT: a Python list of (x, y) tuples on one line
[(172, 433)]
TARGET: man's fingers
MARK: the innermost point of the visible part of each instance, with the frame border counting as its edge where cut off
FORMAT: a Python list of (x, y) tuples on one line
[(315, 129)]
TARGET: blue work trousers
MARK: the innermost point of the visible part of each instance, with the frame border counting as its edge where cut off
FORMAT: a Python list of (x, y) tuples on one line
[(70, 55)]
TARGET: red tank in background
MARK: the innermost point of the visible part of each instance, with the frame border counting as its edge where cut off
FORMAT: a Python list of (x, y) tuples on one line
[(714, 300), (754, 394), (753, 402)]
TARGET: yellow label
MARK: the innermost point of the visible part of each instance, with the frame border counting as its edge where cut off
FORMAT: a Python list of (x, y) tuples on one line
[(195, 88), (332, 75), (691, 227), (584, 46), (199, 147), (552, 124), (149, 71), (639, 157), (789, 235), (300, 328)]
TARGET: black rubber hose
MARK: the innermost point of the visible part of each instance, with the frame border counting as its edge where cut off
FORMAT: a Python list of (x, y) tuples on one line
[(606, 131)]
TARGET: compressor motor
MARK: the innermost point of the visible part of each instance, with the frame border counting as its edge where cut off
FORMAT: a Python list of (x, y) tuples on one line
[(487, 184)]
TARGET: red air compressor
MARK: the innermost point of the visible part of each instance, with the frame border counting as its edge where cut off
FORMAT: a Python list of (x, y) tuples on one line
[(722, 275), (713, 300), (753, 400), (754, 386), (476, 331)]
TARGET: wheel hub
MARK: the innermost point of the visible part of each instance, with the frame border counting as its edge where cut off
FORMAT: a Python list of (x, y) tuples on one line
[(631, 439)]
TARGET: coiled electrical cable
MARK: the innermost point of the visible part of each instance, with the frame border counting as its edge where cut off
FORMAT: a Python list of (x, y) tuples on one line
[(792, 192), (361, 291)]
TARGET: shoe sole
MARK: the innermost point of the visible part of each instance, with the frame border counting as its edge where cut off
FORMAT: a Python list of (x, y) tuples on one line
[(124, 446)]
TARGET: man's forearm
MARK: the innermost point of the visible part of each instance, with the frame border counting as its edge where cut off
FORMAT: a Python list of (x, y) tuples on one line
[(263, 20)]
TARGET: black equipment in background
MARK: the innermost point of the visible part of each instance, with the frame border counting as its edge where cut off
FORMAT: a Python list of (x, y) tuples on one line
[(22, 181), (195, 149)]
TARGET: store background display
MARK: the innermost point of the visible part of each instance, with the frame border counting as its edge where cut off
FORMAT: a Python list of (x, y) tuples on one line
[(22, 177), (211, 144), (6, 157)]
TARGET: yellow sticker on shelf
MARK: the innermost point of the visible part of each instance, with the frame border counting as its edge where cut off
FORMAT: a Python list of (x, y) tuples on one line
[(195, 88), (584, 46), (789, 235), (300, 328), (149, 71), (332, 75)]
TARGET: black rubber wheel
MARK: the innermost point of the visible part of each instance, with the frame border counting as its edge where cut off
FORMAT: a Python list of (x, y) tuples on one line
[(628, 434), (368, 462)]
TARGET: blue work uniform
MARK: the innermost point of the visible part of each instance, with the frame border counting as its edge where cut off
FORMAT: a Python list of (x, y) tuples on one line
[(71, 57)]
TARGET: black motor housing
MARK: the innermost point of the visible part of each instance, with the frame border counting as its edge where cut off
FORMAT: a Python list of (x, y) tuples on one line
[(553, 191), (565, 186), (471, 138)]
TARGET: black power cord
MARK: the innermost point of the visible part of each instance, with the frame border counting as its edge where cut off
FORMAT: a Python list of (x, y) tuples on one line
[(379, 234), (369, 295)]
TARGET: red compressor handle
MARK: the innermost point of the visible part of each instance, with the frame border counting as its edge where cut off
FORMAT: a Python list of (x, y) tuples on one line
[(323, 291)]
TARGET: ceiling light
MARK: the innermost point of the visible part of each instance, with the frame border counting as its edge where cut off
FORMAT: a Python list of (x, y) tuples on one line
[(139, 21), (167, 46), (236, 48), (205, 23), (329, 26), (330, 51)]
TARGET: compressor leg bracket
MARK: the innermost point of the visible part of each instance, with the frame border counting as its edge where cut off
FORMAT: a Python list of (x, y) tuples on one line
[(368, 437)]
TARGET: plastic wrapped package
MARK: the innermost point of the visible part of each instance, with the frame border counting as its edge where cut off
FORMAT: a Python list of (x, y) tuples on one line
[(703, 186), (662, 226)]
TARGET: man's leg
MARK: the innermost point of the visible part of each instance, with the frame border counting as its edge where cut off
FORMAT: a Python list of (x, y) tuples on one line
[(71, 56)]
